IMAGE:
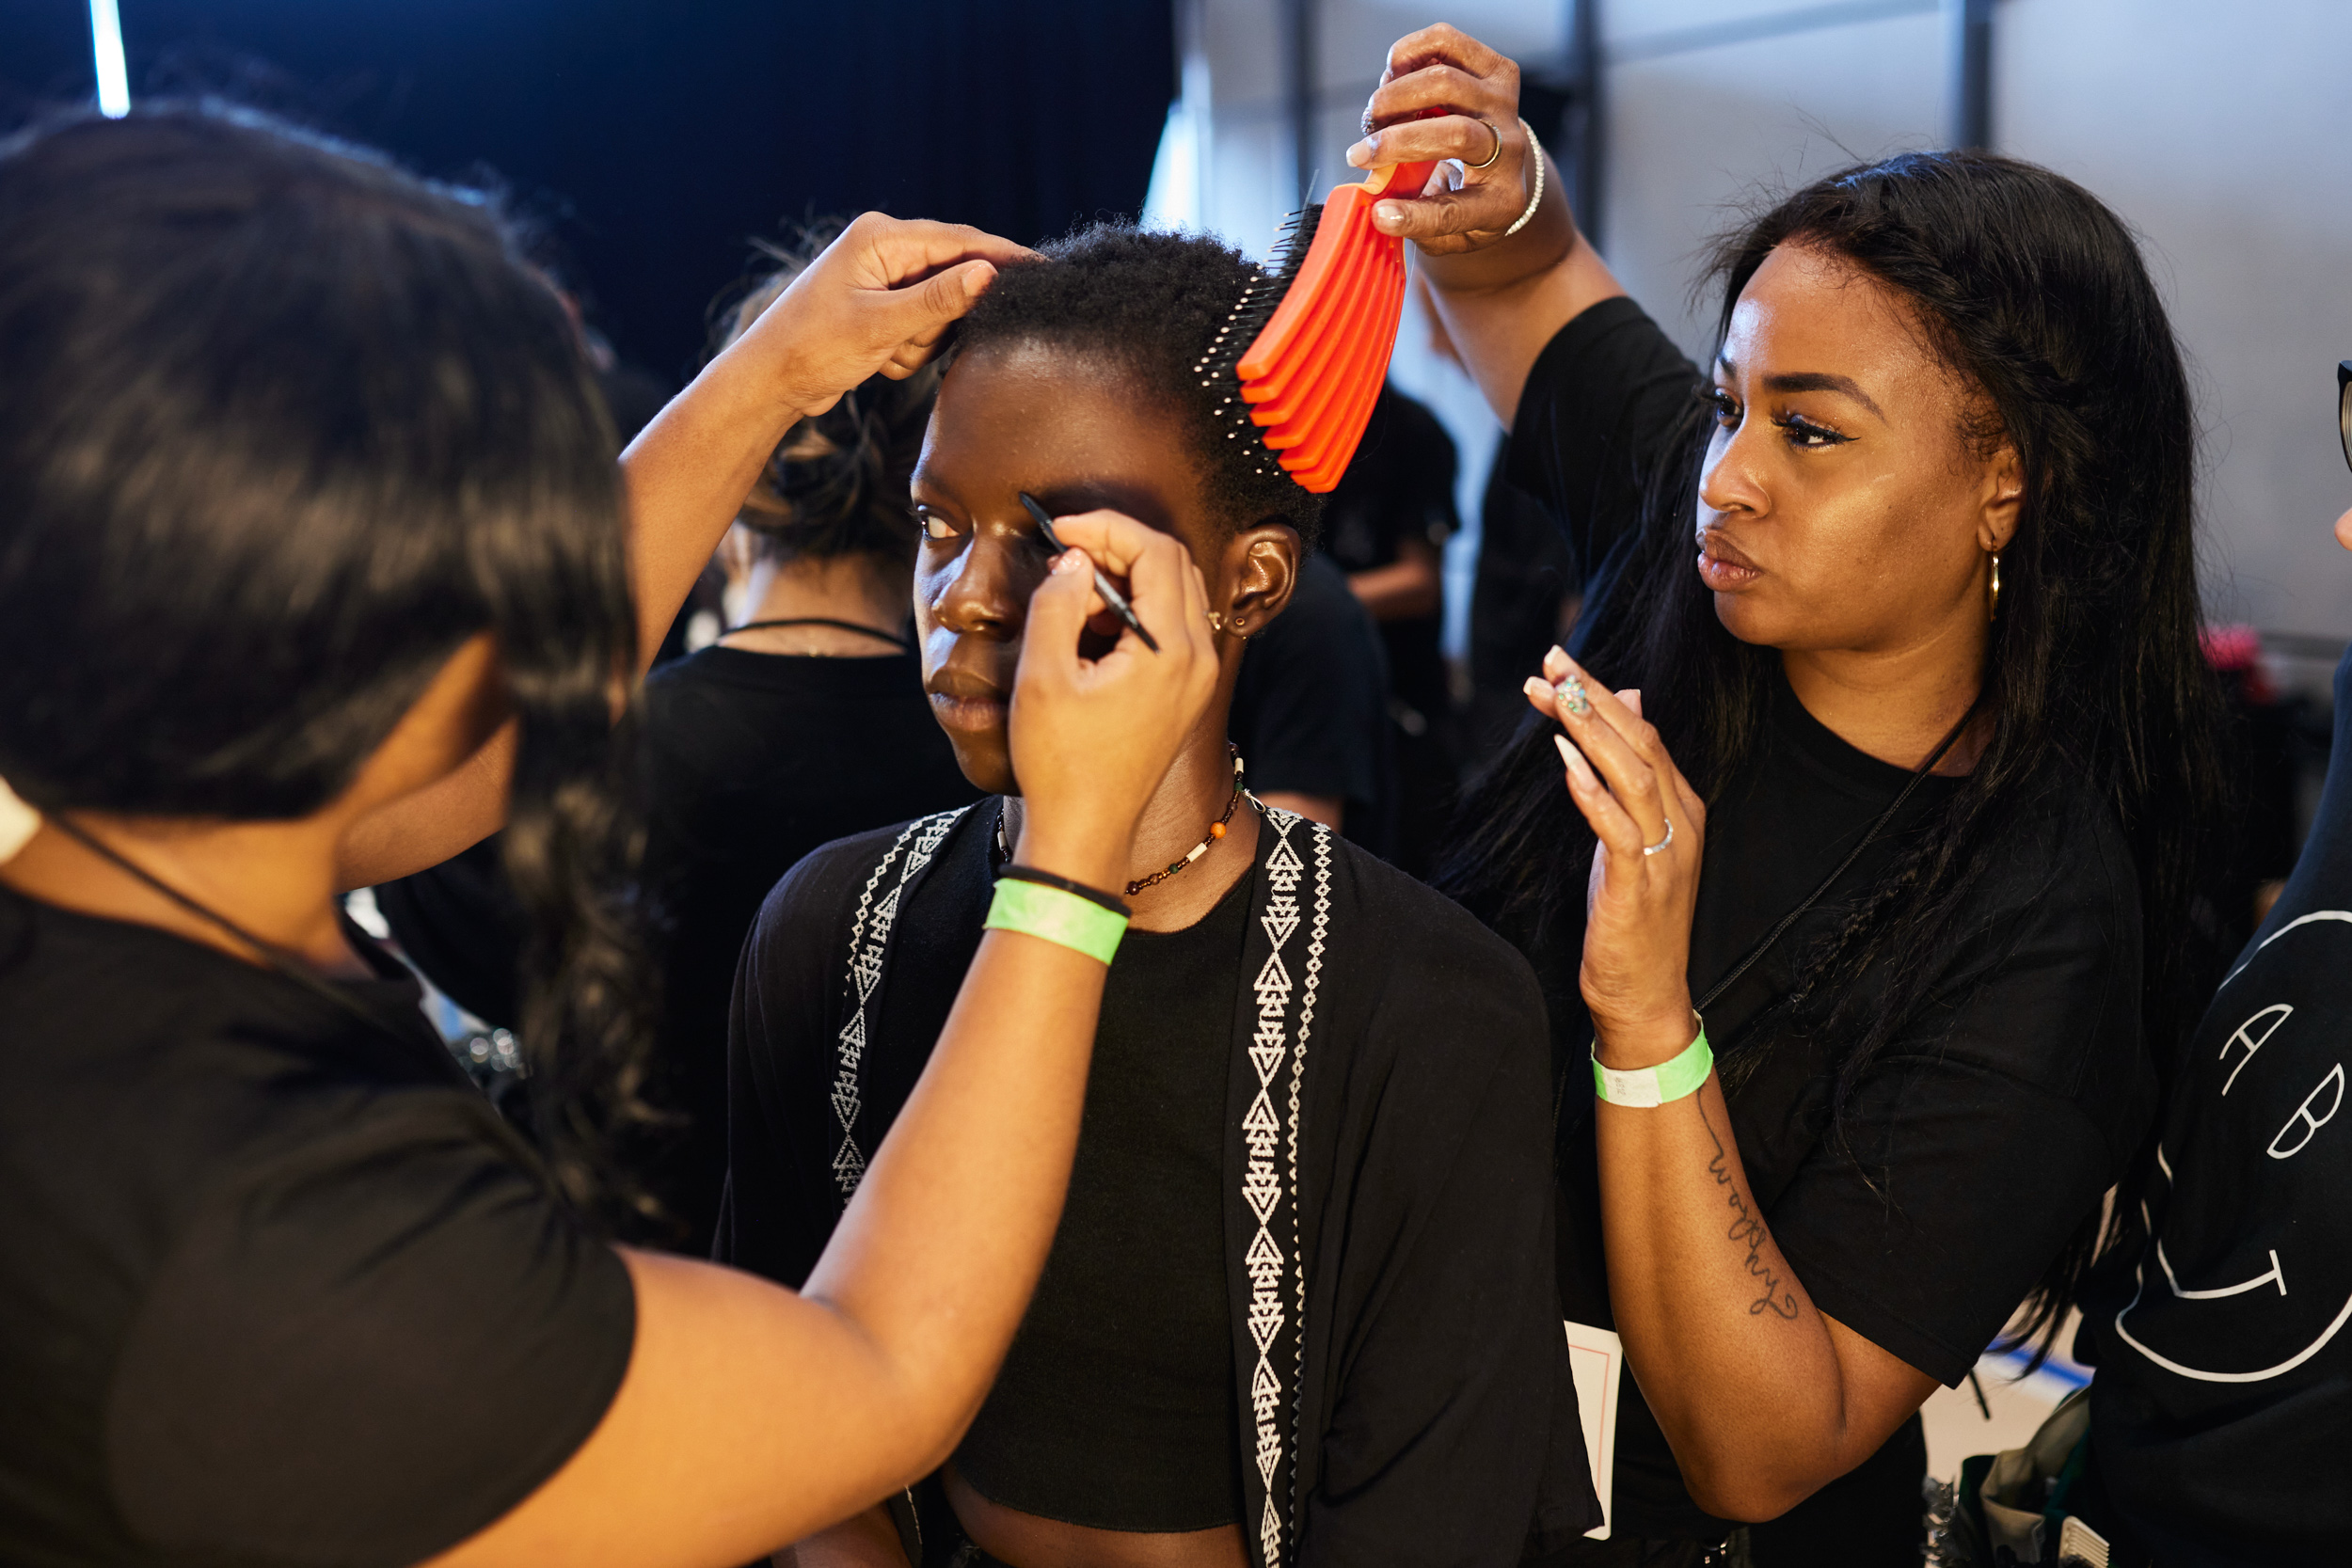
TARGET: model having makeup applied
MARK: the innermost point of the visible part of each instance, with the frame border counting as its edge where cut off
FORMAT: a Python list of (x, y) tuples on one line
[(1909, 806), (1300, 1306)]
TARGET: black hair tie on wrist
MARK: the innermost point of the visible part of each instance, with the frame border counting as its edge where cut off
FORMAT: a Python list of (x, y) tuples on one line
[(1111, 901)]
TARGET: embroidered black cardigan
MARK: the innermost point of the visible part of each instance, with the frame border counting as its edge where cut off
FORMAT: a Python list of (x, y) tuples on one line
[(1388, 1173)]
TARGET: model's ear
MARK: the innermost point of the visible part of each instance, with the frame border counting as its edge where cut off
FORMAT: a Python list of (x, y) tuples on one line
[(1261, 573), (2004, 498)]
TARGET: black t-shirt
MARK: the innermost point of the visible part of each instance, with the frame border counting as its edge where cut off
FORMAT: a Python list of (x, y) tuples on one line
[(276, 1284), (2222, 1413), (1398, 487), (1416, 1382), (1311, 709), (1990, 1127), (752, 760), (1117, 1404)]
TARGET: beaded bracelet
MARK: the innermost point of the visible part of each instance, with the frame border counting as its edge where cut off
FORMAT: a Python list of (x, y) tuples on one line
[(1650, 1087), (1538, 199), (1051, 914)]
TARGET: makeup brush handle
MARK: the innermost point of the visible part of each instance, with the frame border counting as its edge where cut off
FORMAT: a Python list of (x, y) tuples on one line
[(1120, 608)]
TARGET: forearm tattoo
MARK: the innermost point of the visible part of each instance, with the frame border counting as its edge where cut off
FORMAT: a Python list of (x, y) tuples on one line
[(1747, 1230)]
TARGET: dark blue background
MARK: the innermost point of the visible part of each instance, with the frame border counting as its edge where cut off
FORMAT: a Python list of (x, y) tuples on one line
[(655, 138)]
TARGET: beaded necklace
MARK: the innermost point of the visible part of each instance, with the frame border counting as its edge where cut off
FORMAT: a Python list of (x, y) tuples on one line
[(1216, 830)]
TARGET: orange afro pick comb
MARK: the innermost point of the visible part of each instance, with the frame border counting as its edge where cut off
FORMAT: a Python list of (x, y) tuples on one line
[(1310, 341)]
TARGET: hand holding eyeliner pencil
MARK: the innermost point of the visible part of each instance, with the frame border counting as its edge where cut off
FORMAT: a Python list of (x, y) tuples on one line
[(1111, 597)]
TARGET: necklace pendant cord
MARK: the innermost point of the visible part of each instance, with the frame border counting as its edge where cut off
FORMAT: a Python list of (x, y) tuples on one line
[(1216, 830), (285, 962)]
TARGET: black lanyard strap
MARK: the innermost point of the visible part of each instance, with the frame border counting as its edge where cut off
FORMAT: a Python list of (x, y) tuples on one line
[(1781, 929), (285, 962)]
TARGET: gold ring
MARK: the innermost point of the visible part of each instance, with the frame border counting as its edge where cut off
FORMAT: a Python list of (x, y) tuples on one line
[(1491, 156)]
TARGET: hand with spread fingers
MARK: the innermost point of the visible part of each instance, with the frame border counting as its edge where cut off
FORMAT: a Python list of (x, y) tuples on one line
[(879, 299), (1652, 829)]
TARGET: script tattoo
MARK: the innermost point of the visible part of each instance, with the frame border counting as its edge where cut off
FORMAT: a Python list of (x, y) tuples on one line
[(1747, 1230)]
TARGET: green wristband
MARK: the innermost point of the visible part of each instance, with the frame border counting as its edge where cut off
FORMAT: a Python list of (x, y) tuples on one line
[(1048, 912), (1657, 1085)]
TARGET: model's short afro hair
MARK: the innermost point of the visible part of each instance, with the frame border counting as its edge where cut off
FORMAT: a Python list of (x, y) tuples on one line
[(1151, 303)]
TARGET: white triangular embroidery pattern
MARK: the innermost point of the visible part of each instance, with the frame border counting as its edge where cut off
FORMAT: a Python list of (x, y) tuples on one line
[(1263, 1184), (869, 943)]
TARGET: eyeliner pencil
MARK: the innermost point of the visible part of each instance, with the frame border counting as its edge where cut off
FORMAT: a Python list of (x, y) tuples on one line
[(1111, 597)]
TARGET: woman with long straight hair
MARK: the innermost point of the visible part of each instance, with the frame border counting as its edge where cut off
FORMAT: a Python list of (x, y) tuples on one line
[(315, 567), (1867, 920)]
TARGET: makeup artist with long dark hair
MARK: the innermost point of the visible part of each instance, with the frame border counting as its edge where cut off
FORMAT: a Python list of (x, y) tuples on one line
[(314, 567), (1906, 581)]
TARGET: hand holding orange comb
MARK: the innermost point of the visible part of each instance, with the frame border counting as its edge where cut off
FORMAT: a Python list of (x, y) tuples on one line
[(1309, 343)]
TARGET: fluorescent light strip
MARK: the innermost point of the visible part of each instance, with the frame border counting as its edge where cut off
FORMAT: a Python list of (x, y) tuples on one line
[(114, 77)]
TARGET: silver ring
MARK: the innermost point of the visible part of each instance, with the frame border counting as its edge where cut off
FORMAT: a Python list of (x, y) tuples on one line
[(1491, 156), (1648, 850)]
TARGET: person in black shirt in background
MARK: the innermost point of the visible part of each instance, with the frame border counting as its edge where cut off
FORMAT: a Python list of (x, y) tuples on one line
[(1913, 601), (2221, 1409), (1523, 600), (315, 566), (1386, 523), (1311, 712), (804, 723)]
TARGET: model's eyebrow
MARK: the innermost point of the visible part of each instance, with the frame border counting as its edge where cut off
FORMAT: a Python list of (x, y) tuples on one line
[(1811, 381), (919, 481), (1110, 493)]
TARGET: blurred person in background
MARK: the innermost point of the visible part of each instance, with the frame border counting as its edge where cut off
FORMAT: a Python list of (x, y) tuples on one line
[(1523, 600), (316, 566), (1906, 580), (1523, 595), (2220, 1416), (1385, 525), (805, 722), (1311, 712)]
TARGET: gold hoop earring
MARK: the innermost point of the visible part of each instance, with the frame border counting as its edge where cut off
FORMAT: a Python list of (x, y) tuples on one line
[(1993, 611)]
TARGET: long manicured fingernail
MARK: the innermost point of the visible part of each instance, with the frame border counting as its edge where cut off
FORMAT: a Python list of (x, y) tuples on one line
[(1573, 698), (1539, 689), (1557, 663), (1579, 768)]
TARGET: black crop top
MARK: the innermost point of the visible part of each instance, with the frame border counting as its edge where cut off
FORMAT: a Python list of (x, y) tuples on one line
[(1117, 1407)]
